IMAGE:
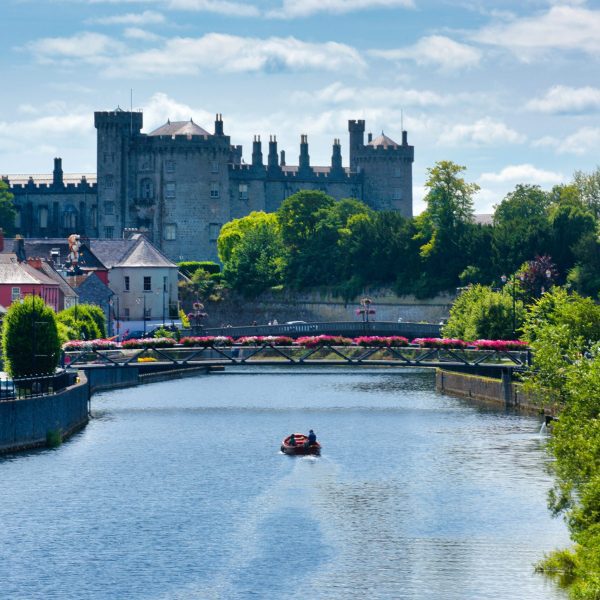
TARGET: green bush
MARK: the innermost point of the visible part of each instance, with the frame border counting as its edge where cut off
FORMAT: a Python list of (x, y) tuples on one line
[(84, 321), (30, 341), (189, 267)]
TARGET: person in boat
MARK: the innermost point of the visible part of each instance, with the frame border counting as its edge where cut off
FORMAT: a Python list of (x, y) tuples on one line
[(292, 440), (311, 439)]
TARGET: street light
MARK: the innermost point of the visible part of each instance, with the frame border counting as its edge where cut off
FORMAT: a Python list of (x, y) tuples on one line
[(138, 301), (512, 280)]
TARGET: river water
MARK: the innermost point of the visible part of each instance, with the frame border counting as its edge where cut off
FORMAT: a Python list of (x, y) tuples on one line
[(177, 490)]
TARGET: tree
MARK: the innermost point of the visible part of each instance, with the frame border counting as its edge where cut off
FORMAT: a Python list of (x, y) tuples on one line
[(7, 209), (585, 275), (85, 321), (521, 227), (588, 185), (445, 228), (30, 340)]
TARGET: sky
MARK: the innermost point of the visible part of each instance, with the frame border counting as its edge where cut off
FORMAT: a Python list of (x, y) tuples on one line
[(509, 89)]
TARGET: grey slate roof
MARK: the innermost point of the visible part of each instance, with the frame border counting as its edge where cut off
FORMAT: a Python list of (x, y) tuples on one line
[(65, 288), (180, 128), (382, 140), (14, 272), (144, 254)]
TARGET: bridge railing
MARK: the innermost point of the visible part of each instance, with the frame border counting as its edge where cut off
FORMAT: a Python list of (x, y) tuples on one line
[(323, 354), (347, 328), (20, 388)]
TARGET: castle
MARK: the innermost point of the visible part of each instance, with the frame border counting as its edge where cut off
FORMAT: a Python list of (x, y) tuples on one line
[(180, 184)]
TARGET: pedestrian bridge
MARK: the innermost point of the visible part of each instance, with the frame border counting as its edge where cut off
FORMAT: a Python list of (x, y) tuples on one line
[(269, 355)]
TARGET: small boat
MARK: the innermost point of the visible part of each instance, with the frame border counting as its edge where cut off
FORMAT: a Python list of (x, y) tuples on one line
[(300, 447)]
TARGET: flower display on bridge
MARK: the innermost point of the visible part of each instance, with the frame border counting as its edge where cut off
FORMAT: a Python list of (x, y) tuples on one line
[(206, 341), (253, 340), (500, 345), (440, 343), (379, 341), (314, 341), (81, 345), (148, 343)]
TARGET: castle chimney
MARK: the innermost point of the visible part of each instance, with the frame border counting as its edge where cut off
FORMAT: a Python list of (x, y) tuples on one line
[(336, 157), (405, 138), (257, 157), (1, 239), (219, 124), (20, 249), (57, 174), (304, 162), (282, 158), (370, 138), (272, 160)]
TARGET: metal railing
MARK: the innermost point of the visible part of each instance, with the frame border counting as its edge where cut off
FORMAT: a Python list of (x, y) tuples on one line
[(33, 386), (268, 354)]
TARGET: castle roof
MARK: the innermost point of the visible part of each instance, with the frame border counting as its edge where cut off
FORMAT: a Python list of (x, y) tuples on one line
[(382, 140), (47, 178), (180, 128)]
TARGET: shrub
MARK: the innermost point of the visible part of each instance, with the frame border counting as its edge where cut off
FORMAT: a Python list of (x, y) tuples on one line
[(189, 267), (30, 340), (206, 341), (440, 343), (251, 340), (500, 345), (383, 342), (148, 343), (314, 341), (85, 320)]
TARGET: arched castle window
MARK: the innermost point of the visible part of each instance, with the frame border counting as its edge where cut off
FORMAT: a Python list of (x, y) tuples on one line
[(147, 188), (69, 218)]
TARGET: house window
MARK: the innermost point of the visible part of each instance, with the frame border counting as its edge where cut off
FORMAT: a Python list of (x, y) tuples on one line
[(109, 232), (148, 314), (126, 283), (108, 181), (126, 313), (213, 231), (15, 294), (147, 284), (214, 167), (170, 190), (170, 231), (170, 166), (243, 191), (147, 188), (109, 208), (214, 190), (43, 217)]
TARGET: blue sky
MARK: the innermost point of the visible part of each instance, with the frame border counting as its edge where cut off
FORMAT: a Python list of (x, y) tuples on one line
[(509, 89)]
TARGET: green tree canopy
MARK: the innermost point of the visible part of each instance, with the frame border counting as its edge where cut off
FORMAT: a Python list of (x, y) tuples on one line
[(30, 340), (7, 209)]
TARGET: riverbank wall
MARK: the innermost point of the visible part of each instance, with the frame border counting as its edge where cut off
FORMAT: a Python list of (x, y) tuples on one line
[(38, 421), (500, 391)]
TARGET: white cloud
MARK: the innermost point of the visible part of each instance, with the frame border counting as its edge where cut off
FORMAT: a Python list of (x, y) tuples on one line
[(86, 46), (584, 140), (136, 33), (435, 50), (560, 28), (563, 99), (161, 107), (148, 17), (483, 132), (234, 54), (223, 7), (524, 173), (291, 9), (339, 93)]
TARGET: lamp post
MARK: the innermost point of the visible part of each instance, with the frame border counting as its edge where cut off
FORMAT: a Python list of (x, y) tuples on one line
[(139, 301), (512, 280)]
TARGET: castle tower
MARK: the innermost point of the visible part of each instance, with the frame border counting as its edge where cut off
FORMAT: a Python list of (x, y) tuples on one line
[(357, 140), (115, 133), (219, 124), (273, 157), (336, 157), (57, 174), (257, 156), (304, 159)]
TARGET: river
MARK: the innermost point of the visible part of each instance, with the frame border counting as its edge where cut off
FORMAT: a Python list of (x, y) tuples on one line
[(177, 490)]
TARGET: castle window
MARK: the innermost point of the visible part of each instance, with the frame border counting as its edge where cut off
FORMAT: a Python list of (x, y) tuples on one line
[(213, 231), (147, 188), (109, 232), (170, 231), (397, 194), (170, 189), (105, 157), (109, 208), (18, 218), (397, 172), (214, 190), (15, 294), (147, 284), (43, 215), (108, 181), (214, 167), (94, 217), (170, 166), (69, 218), (243, 191)]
